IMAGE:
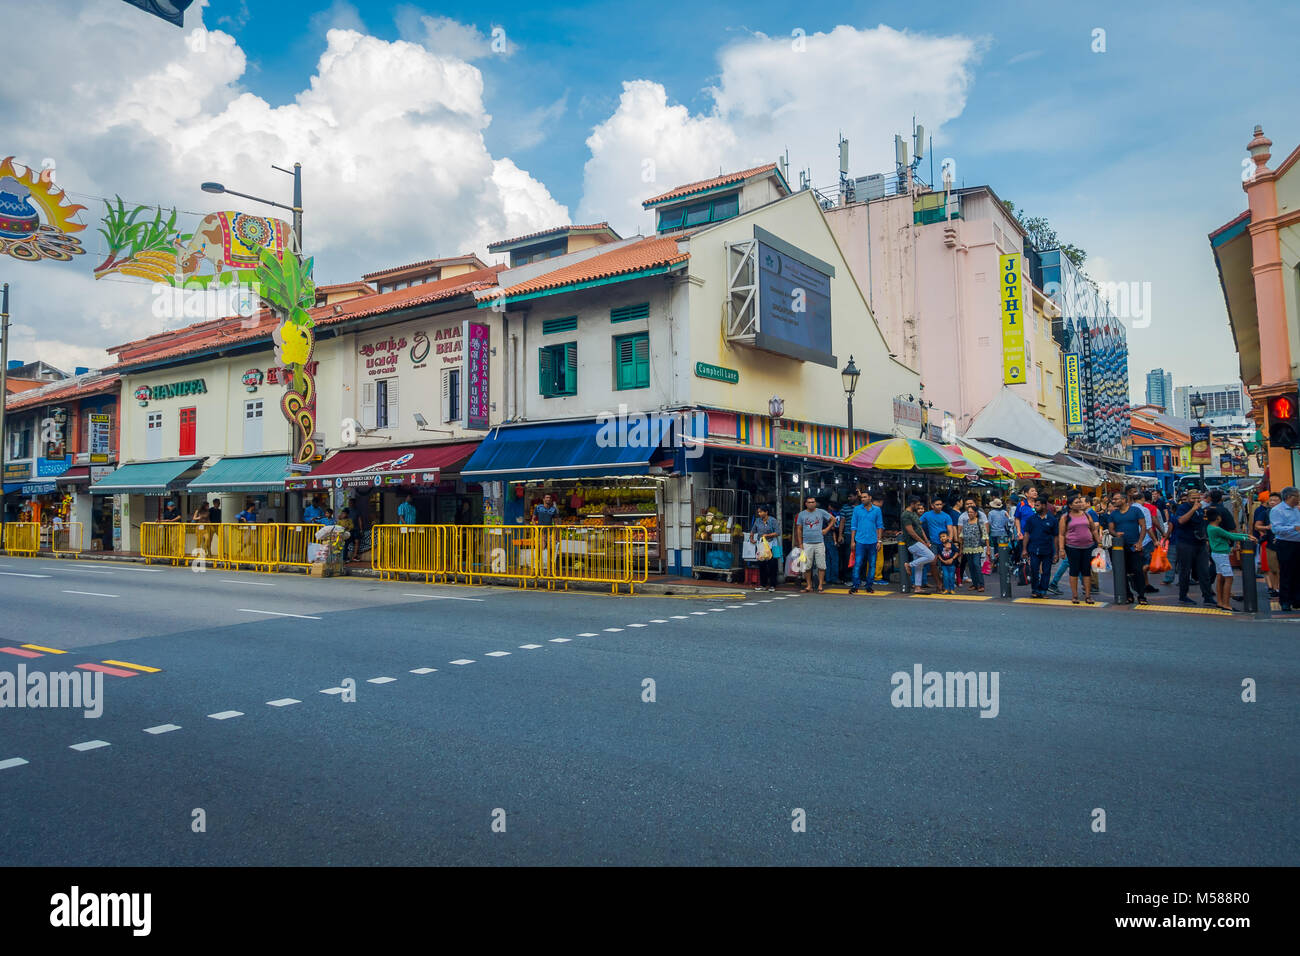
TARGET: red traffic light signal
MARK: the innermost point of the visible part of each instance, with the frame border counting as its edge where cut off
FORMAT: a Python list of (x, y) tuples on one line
[(1284, 420), (1283, 407)]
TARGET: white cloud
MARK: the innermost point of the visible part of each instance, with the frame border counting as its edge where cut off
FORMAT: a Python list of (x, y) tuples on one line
[(775, 93), (390, 135)]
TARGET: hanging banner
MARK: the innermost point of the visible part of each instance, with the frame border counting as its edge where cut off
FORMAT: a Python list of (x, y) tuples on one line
[(1073, 396), (36, 219), (1012, 291), (476, 375), (1201, 453)]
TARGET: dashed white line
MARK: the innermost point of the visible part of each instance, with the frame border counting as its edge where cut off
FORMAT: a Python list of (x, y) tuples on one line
[(381, 680), (560, 640), (589, 634), (424, 670), (497, 654), (226, 714), (144, 570), (612, 630), (89, 745), (529, 647), (638, 625), (85, 570), (19, 574), (462, 662), (679, 617), (253, 610), (658, 620), (255, 584), (284, 702), (162, 729), (12, 762), (333, 690), (713, 609), (735, 605), (699, 614), (89, 593)]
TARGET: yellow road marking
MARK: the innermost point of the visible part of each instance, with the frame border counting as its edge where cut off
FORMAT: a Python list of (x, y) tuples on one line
[(47, 650), (956, 597), (729, 595), (1183, 610), (138, 667), (1058, 602)]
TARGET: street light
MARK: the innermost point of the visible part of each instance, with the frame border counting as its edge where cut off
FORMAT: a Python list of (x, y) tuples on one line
[(1197, 404), (850, 374), (296, 208)]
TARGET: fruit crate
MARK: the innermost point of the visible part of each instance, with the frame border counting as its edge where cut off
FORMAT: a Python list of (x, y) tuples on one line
[(732, 507)]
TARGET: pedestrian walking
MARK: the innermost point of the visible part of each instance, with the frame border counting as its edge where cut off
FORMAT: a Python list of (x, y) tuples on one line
[(1267, 554), (765, 533), (865, 524), (949, 555), (974, 534), (214, 512), (810, 527), (918, 545), (406, 511), (249, 514), (1001, 524), (1284, 521), (1078, 535), (1193, 551), (1130, 520), (1040, 548), (1222, 543)]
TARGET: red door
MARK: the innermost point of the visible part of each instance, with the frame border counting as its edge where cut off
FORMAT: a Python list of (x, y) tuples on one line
[(189, 416)]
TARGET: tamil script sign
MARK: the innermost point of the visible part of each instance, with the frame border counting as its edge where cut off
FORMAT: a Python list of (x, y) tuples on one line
[(1012, 291)]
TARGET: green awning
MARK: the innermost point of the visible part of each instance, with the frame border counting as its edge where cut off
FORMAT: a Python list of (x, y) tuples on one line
[(145, 478), (254, 473)]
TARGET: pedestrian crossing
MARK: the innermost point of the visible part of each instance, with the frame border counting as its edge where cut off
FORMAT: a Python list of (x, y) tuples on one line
[(110, 667)]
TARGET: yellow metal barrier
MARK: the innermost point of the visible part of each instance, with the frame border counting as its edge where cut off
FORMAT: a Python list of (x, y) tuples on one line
[(292, 547), (595, 554), (430, 550), (498, 551), (201, 542), (248, 544), (67, 540), (22, 538), (163, 541)]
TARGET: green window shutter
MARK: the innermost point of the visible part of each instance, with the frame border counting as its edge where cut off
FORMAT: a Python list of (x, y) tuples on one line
[(570, 368), (632, 361), (641, 361), (630, 313), (566, 324), (545, 372)]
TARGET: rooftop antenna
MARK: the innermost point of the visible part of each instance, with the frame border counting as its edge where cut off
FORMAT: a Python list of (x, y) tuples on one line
[(784, 163), (845, 188)]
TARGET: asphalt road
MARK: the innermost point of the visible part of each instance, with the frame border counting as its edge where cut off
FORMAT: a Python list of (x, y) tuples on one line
[(760, 709)]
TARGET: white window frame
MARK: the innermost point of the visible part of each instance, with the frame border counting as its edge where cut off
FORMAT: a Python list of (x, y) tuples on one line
[(250, 406)]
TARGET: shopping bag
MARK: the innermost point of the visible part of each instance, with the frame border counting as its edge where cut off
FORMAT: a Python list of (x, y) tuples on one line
[(1098, 560), (986, 567), (853, 556), (1160, 558), (777, 551), (764, 550)]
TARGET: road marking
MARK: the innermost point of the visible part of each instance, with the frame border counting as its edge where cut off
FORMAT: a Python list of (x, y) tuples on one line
[(441, 597), (588, 634), (162, 729), (1183, 610), (86, 570), (19, 652), (612, 630), (638, 625), (333, 690), (144, 570), (658, 620), (781, 598), (256, 584), (19, 574), (715, 609), (766, 601), (497, 654), (381, 680), (226, 714), (735, 605), (424, 670), (560, 640), (955, 597), (679, 617), (115, 671), (462, 662), (46, 650), (89, 745), (283, 702), (89, 593), (699, 613), (12, 762), (529, 647), (253, 610), (1057, 603), (138, 667)]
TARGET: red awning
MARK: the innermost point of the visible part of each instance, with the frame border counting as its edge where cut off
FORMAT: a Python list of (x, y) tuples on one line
[(74, 474), (411, 465)]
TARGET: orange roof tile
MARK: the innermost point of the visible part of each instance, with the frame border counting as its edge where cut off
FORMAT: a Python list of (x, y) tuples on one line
[(704, 184), (13, 385), (555, 230), (635, 257), (69, 391), (448, 261)]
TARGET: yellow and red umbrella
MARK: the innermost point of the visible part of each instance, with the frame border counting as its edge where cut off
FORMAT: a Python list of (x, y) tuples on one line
[(977, 460), (903, 454), (1016, 467)]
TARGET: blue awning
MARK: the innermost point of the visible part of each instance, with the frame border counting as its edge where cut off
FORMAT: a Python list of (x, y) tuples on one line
[(569, 450), (145, 478)]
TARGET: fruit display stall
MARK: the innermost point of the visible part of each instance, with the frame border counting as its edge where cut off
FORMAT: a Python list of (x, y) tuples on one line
[(719, 533), (608, 501)]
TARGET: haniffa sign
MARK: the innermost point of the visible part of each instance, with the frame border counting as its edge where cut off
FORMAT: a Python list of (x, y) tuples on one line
[(145, 394)]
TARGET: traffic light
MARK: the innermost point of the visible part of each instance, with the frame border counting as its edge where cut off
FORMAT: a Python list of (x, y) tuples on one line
[(1284, 420)]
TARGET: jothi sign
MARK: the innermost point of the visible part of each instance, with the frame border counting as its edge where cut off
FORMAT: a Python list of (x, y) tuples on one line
[(1012, 290)]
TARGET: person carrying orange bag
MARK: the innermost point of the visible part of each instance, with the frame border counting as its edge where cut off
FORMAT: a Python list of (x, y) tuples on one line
[(1160, 557)]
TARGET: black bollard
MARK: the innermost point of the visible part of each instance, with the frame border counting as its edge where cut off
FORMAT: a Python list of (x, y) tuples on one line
[(1004, 569), (1249, 587), (1119, 568), (904, 579)]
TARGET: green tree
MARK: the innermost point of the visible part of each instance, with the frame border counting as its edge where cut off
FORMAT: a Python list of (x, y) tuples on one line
[(1044, 237)]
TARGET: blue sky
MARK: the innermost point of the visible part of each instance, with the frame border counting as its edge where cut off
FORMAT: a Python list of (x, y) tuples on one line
[(436, 146)]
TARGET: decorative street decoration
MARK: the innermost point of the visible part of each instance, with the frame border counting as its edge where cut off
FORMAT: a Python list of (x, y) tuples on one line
[(286, 284), (36, 220)]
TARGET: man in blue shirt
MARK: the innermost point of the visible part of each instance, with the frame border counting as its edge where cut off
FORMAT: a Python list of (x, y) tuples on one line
[(544, 514), (834, 537), (935, 522), (865, 525), (312, 512), (406, 511), (1131, 520), (1040, 548), (1284, 523), (1193, 550), (249, 514)]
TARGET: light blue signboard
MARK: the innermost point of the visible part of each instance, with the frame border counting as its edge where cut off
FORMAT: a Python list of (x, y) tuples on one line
[(794, 301)]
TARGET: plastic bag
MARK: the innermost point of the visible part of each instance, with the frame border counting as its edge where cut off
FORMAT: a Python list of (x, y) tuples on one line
[(1098, 560), (797, 563), (1159, 558), (764, 550), (777, 551), (986, 567)]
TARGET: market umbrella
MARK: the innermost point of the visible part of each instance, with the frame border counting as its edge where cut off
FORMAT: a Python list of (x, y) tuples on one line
[(978, 460), (1017, 467), (902, 454)]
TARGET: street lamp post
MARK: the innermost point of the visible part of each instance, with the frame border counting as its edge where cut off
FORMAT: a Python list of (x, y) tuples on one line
[(850, 374), (1197, 404)]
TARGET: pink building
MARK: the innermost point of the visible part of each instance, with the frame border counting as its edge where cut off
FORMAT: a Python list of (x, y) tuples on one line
[(929, 266)]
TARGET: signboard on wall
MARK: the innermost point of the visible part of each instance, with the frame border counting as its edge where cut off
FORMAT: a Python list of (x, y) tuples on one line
[(17, 472), (791, 440), (1012, 291), (1202, 454), (98, 438), (794, 301), (1073, 396), (475, 378)]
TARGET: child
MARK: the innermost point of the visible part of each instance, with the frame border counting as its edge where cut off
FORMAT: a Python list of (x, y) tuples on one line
[(1221, 545), (948, 556)]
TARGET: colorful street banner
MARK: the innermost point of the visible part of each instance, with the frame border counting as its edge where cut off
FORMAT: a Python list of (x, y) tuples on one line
[(1073, 396), (1012, 291), (36, 219), (476, 375), (1201, 451)]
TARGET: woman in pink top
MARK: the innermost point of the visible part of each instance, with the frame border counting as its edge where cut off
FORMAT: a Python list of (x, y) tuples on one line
[(1078, 535)]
